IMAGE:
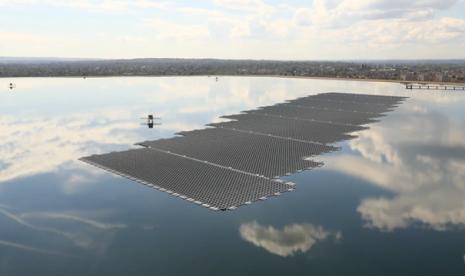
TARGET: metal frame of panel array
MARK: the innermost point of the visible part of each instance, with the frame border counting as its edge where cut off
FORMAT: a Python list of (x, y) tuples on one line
[(238, 162)]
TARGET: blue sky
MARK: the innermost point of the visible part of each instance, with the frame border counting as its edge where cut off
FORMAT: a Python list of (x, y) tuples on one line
[(259, 29)]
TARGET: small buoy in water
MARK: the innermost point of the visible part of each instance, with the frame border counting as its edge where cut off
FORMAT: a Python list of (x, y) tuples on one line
[(12, 85)]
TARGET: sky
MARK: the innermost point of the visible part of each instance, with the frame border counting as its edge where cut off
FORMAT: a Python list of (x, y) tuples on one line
[(234, 29)]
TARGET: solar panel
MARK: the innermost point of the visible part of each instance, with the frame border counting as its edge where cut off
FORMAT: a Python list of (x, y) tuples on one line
[(233, 163), (208, 185), (258, 154), (328, 116), (305, 130), (321, 104), (359, 98)]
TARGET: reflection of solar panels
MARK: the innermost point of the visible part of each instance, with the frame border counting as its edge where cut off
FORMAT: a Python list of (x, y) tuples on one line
[(235, 162)]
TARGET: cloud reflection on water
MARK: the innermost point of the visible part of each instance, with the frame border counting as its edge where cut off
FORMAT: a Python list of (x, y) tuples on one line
[(289, 241), (43, 144), (84, 233), (404, 154), (418, 155), (30, 248)]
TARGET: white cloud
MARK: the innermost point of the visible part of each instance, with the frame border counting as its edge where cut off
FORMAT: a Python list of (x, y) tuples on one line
[(252, 6), (325, 29), (290, 240), (91, 5), (167, 30), (328, 29), (402, 32), (346, 12), (303, 16)]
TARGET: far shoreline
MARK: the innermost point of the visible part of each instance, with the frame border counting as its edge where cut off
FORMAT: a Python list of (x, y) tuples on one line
[(248, 76)]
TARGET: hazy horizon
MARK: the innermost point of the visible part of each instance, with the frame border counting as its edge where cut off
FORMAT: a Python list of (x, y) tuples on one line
[(58, 58)]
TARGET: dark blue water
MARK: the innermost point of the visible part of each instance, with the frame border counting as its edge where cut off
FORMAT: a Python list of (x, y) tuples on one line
[(391, 202)]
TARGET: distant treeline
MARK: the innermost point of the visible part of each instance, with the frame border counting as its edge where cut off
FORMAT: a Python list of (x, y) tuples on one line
[(402, 71)]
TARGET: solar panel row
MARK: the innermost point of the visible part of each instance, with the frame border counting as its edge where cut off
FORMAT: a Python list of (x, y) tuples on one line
[(258, 154), (306, 130), (199, 182)]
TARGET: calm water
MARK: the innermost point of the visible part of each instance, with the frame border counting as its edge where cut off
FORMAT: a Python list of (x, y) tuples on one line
[(391, 202)]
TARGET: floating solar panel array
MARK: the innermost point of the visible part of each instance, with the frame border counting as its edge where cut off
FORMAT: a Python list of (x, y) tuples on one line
[(240, 161)]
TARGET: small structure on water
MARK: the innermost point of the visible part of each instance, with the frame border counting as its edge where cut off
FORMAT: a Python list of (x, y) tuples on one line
[(151, 121), (12, 86)]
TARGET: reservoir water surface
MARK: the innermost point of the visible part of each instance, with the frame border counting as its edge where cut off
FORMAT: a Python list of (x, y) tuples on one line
[(390, 202)]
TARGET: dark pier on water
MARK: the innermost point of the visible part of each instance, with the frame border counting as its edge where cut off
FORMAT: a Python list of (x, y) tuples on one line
[(421, 86)]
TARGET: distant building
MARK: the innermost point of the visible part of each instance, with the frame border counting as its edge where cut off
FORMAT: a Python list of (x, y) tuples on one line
[(439, 76), (408, 76)]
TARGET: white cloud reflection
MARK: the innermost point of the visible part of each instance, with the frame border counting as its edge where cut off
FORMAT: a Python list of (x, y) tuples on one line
[(418, 155), (83, 232), (291, 240), (74, 218), (30, 248), (43, 144)]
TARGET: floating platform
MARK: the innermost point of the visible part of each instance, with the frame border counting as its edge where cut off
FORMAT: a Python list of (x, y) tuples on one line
[(323, 104), (290, 128), (328, 116), (359, 98), (211, 186), (238, 162), (262, 155)]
